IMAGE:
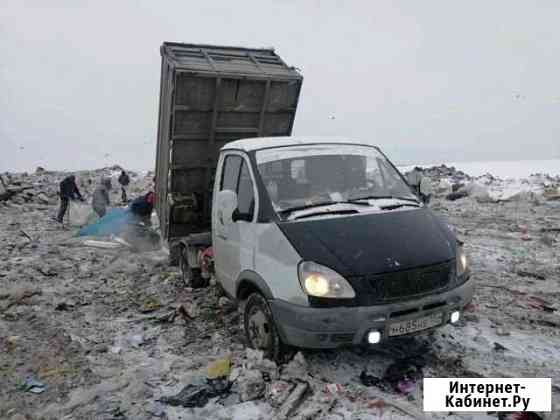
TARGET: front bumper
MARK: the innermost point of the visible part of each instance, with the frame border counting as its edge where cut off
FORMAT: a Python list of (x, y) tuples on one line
[(307, 327)]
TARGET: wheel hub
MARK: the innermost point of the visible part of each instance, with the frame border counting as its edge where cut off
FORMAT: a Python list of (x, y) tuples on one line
[(259, 329)]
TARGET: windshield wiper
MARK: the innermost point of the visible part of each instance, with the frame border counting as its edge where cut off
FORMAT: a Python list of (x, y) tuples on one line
[(325, 203), (397, 206), (322, 213), (381, 197)]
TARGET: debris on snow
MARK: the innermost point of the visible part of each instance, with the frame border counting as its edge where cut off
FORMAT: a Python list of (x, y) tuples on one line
[(251, 385)]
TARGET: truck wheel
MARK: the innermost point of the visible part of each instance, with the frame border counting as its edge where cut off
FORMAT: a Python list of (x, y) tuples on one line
[(184, 267), (260, 330), (191, 276)]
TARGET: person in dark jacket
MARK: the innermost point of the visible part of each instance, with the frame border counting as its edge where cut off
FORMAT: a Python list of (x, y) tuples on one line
[(124, 180), (68, 191), (143, 206), (101, 197)]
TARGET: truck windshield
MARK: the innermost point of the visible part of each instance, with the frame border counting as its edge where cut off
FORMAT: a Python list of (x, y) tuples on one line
[(308, 175)]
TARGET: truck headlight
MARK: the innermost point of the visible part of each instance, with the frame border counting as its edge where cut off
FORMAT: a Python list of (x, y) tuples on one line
[(461, 260), (320, 281)]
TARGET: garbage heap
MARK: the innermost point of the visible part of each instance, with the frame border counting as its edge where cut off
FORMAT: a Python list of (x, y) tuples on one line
[(452, 184)]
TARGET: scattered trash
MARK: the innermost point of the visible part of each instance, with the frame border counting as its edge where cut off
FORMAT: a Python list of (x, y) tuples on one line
[(113, 223), (30, 384), (102, 244), (47, 271), (251, 385), (368, 380), (456, 195), (406, 386), (294, 400), (223, 301), (499, 347), (188, 310), (521, 415), (24, 233), (255, 360), (334, 390), (403, 374), (219, 369), (538, 303), (167, 317), (150, 305), (11, 342), (78, 213), (376, 403), (42, 198), (198, 394), (296, 368), (501, 332), (537, 276), (64, 306), (135, 340), (278, 391)]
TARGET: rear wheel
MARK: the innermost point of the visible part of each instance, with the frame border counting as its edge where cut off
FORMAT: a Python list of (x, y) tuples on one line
[(260, 331), (191, 276)]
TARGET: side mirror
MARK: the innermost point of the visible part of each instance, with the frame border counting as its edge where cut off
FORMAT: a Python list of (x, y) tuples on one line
[(226, 205)]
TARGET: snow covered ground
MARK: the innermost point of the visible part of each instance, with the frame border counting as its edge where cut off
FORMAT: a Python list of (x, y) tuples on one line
[(94, 324)]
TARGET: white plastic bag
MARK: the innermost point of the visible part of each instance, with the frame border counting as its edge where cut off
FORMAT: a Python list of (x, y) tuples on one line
[(78, 213)]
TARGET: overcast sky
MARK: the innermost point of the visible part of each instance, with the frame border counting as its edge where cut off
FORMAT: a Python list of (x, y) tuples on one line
[(428, 81)]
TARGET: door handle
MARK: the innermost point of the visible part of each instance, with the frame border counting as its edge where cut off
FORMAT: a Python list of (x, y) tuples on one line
[(222, 237)]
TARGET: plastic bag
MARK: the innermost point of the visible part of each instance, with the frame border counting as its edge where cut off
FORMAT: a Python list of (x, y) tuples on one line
[(78, 213), (111, 224)]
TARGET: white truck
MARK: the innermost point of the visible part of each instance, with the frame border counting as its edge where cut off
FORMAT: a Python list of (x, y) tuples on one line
[(326, 245)]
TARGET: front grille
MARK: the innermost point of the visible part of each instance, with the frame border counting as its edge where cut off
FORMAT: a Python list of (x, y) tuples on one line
[(382, 288), (342, 338)]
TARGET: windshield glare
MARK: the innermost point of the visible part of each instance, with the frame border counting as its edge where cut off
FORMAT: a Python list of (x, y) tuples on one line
[(305, 175)]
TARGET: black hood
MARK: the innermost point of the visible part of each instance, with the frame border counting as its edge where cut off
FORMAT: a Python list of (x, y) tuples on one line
[(373, 243)]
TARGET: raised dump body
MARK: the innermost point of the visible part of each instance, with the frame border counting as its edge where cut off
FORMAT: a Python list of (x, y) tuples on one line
[(209, 96)]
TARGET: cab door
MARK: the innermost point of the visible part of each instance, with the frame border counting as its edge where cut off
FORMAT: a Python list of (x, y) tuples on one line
[(234, 241)]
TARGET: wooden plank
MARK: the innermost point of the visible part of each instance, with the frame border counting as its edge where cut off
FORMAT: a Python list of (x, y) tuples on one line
[(203, 137), (237, 130), (210, 61), (254, 60), (212, 134), (264, 107)]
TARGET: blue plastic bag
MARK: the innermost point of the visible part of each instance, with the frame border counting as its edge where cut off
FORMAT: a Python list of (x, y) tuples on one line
[(113, 223)]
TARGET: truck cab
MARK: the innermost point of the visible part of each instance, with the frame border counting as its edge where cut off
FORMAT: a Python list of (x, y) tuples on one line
[(326, 245)]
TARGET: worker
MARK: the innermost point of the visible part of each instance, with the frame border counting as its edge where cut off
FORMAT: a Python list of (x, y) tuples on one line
[(68, 191), (101, 197), (124, 180), (420, 184), (143, 206)]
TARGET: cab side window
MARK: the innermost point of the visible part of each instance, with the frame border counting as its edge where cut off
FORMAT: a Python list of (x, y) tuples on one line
[(230, 172), (245, 192)]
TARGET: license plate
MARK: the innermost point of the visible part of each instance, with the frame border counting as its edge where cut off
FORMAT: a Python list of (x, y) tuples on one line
[(413, 325)]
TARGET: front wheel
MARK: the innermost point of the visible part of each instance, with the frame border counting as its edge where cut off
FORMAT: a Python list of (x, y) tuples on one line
[(260, 330)]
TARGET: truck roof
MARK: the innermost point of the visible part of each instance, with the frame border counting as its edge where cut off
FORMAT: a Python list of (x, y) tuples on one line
[(267, 142)]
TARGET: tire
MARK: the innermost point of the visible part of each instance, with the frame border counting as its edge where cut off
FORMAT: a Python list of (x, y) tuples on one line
[(260, 330), (184, 267), (191, 276), (175, 254), (197, 281)]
